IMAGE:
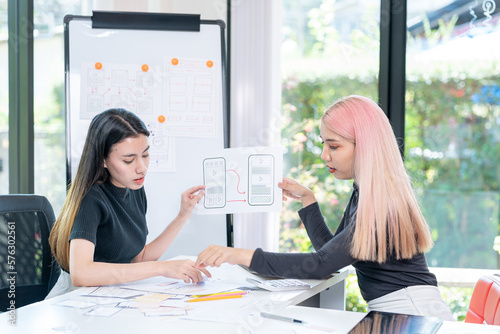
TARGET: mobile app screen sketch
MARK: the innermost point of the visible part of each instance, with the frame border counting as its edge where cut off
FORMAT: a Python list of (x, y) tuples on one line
[(260, 179), (214, 175)]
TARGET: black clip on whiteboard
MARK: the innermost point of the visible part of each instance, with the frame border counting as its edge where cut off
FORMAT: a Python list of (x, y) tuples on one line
[(145, 21)]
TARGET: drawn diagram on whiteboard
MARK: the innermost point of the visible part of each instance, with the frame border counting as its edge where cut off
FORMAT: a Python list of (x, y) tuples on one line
[(162, 146), (134, 87), (260, 179), (191, 97), (214, 179)]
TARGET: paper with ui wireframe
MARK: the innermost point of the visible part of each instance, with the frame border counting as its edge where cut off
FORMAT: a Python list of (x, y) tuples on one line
[(154, 284), (113, 292), (208, 286), (241, 179)]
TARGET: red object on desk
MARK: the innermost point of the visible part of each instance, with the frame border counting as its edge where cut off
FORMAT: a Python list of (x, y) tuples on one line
[(484, 303)]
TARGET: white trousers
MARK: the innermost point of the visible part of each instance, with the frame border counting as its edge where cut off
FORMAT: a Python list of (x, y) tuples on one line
[(417, 300)]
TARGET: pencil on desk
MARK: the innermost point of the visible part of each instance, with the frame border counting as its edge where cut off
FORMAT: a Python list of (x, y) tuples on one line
[(203, 299), (239, 292), (222, 295)]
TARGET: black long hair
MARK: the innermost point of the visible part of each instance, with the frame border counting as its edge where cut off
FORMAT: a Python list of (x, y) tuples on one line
[(106, 129)]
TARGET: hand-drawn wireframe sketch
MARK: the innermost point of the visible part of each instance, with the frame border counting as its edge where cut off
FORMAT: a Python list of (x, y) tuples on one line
[(214, 179), (192, 97), (243, 179), (161, 147), (135, 87), (260, 179)]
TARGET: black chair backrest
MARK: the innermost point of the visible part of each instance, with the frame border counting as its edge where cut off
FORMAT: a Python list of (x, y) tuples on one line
[(28, 271)]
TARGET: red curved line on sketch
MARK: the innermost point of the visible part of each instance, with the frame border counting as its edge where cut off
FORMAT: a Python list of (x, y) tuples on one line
[(238, 185)]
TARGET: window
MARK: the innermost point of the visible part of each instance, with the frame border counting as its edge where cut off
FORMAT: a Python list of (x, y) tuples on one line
[(452, 132), (330, 50), (453, 127), (49, 109)]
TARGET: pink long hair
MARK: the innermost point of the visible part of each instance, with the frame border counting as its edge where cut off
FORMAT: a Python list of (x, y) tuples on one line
[(388, 221)]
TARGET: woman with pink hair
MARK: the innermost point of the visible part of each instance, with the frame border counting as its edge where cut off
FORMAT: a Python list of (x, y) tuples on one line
[(382, 234)]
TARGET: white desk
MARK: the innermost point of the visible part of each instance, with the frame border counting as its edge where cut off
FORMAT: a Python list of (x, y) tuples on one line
[(344, 321), (219, 316), (43, 318)]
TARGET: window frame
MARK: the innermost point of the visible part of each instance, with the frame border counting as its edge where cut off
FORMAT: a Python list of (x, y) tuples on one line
[(21, 121)]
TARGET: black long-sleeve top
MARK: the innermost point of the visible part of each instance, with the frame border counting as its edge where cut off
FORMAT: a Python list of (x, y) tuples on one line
[(333, 253)]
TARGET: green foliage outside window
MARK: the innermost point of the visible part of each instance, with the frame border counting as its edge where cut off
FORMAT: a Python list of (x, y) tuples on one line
[(305, 102), (452, 136)]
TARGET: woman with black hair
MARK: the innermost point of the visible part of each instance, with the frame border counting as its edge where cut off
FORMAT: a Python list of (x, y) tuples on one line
[(99, 237)]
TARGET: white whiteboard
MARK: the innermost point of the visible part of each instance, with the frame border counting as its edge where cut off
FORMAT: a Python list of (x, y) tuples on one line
[(122, 50)]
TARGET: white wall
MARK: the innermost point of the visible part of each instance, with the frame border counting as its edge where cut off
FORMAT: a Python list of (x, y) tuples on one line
[(208, 9)]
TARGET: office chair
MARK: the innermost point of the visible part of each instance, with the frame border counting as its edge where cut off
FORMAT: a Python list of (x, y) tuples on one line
[(28, 271), (484, 302)]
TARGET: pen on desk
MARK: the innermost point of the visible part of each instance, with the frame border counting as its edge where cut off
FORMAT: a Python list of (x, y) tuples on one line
[(280, 317), (203, 299)]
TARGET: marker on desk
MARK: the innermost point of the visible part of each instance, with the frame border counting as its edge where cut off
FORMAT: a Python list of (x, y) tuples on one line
[(280, 317)]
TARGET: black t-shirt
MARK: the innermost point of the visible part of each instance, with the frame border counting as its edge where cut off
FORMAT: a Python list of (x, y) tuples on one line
[(333, 253), (114, 220)]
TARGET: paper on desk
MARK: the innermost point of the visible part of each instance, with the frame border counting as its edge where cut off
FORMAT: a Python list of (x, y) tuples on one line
[(86, 302), (151, 286), (152, 298), (209, 286), (165, 311), (113, 292), (102, 311), (104, 300), (75, 303), (139, 305), (207, 312), (175, 303), (150, 301)]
